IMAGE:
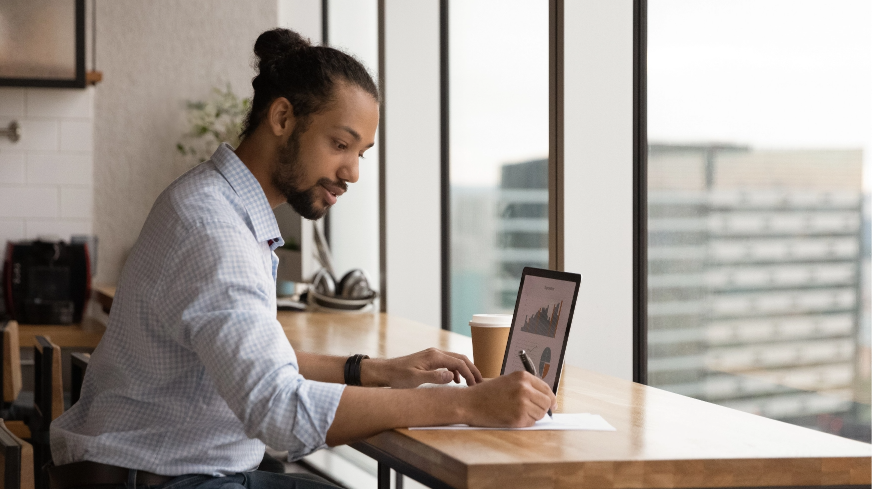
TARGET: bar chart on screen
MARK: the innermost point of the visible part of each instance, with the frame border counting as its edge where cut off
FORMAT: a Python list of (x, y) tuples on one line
[(541, 323)]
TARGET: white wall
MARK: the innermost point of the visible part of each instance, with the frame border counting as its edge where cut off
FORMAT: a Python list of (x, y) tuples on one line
[(598, 204), (354, 221), (46, 178), (413, 160), (302, 16), (154, 56)]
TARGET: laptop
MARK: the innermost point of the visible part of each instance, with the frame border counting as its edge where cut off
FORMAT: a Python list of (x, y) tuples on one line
[(540, 323)]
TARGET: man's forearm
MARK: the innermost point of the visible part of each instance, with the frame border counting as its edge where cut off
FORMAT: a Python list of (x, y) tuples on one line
[(328, 368), (365, 412), (323, 368)]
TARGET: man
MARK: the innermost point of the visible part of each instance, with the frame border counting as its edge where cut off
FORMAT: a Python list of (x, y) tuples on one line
[(194, 374)]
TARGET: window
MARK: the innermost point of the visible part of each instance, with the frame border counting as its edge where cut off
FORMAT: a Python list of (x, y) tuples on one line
[(760, 145), (498, 153)]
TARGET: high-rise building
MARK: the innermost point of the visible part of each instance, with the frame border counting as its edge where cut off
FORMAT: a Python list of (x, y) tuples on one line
[(495, 233), (522, 226), (754, 278)]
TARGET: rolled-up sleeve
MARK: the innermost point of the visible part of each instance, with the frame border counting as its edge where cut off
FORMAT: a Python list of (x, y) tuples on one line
[(217, 292)]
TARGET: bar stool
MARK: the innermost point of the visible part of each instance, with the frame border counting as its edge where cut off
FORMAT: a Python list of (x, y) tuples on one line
[(48, 403), (16, 407), (16, 459), (78, 367)]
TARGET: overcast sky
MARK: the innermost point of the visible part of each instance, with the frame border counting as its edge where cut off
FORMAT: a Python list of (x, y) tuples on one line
[(769, 73), (498, 102)]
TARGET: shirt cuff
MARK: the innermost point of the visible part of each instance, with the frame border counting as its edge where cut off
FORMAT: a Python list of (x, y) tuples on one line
[(315, 415)]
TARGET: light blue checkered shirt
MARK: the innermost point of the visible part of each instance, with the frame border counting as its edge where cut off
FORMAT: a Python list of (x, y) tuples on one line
[(194, 373)]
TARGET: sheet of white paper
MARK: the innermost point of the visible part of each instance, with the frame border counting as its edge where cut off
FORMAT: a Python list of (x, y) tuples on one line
[(561, 422)]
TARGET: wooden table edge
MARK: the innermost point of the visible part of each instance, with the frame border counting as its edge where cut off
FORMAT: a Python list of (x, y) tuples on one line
[(391, 448), (104, 295), (81, 335)]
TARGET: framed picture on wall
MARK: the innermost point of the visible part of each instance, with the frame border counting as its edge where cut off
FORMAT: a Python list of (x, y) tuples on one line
[(42, 43)]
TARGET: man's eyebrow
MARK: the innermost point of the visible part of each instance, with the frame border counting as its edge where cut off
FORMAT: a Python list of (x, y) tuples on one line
[(351, 131)]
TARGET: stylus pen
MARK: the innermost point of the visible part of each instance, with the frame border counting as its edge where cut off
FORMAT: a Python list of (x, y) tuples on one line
[(529, 367)]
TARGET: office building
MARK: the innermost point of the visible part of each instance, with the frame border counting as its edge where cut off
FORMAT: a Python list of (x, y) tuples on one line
[(754, 279)]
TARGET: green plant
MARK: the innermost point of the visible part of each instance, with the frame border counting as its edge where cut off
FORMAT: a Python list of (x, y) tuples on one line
[(290, 244), (213, 121)]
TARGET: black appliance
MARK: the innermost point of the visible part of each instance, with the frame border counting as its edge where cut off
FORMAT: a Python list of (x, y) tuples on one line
[(46, 282)]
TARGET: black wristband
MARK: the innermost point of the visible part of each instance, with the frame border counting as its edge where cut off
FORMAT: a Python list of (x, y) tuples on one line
[(352, 369)]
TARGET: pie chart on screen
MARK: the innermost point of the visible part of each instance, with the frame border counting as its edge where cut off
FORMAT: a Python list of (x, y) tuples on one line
[(545, 362)]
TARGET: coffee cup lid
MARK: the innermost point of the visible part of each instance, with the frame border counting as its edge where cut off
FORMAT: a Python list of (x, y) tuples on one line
[(491, 320)]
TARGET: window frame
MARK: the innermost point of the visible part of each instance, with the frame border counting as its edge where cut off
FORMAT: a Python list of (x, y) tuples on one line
[(640, 192)]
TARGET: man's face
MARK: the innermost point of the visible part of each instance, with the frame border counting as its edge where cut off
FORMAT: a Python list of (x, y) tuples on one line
[(321, 155)]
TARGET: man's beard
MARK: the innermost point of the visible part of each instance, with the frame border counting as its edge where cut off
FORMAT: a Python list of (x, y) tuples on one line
[(288, 173)]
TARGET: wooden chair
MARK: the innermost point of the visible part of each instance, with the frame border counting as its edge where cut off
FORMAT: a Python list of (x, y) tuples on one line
[(78, 367), (48, 395), (48, 403), (10, 375), (11, 365), (16, 460)]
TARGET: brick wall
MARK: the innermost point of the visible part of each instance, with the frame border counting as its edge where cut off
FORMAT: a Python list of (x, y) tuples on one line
[(46, 178)]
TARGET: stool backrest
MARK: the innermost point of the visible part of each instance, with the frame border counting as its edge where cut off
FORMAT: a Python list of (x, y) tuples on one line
[(78, 367), (10, 367), (48, 389), (16, 461)]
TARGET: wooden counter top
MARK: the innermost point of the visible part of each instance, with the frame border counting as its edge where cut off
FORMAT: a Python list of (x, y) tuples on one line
[(81, 335), (104, 295), (663, 440), (374, 334)]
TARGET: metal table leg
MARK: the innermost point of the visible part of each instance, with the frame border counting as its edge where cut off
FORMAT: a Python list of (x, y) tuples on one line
[(384, 476)]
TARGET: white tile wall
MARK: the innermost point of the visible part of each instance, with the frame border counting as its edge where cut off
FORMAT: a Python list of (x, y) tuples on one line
[(70, 104), (10, 230), (46, 178), (61, 228), (60, 169), (36, 135), (12, 169), (77, 135), (29, 201), (12, 102), (77, 202)]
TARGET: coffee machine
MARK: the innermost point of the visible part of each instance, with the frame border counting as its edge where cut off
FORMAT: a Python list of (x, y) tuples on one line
[(46, 282)]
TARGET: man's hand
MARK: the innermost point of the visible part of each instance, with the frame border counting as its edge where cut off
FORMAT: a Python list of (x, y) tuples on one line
[(432, 366), (515, 400)]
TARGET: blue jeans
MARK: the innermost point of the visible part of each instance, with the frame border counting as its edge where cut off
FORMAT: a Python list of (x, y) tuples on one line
[(245, 480)]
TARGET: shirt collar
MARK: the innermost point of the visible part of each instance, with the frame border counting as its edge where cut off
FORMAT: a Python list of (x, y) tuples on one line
[(249, 190)]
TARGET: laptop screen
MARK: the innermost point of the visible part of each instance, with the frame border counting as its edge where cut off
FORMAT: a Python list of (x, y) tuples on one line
[(540, 326)]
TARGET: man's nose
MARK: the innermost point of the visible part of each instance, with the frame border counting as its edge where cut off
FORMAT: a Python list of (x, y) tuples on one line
[(350, 170)]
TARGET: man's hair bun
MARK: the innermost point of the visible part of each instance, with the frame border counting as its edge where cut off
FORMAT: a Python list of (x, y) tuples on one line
[(277, 43)]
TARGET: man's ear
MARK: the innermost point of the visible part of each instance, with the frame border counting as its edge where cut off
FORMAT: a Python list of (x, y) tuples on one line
[(280, 117)]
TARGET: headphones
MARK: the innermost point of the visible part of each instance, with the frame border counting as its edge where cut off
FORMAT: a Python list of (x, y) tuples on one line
[(352, 285), (351, 292)]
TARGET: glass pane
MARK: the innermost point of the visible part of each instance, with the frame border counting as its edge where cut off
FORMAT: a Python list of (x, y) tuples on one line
[(760, 138), (354, 222), (38, 39), (498, 95)]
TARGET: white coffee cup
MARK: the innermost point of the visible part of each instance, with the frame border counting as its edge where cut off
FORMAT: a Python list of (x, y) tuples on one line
[(490, 333)]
